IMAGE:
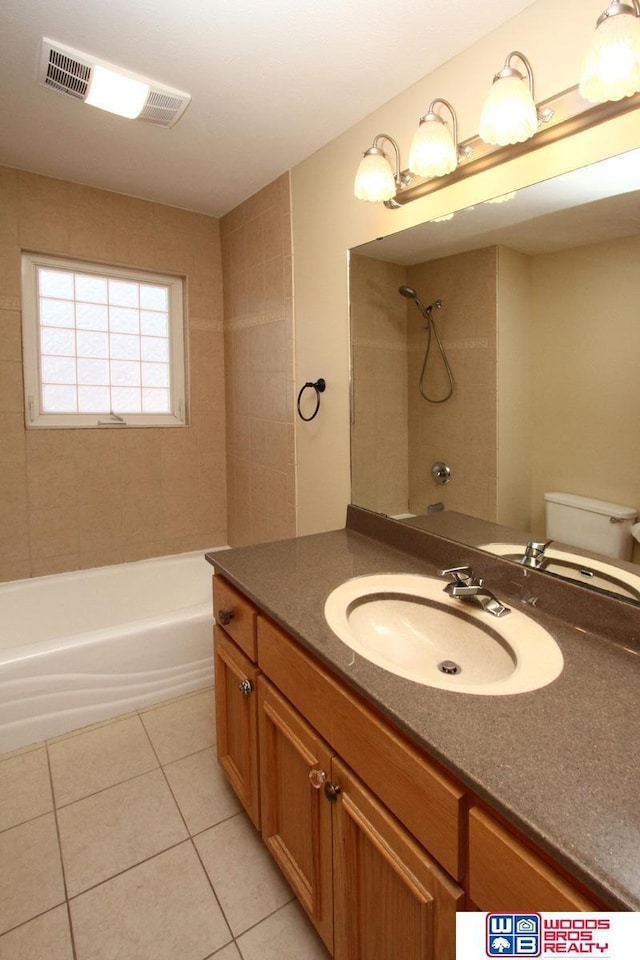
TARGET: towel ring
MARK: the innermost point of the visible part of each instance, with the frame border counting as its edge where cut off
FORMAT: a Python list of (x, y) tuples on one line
[(319, 386)]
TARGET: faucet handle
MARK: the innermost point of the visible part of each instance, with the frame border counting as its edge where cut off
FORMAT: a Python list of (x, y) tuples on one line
[(463, 574)]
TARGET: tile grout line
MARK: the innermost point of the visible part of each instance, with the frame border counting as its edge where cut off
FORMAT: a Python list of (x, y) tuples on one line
[(62, 865)]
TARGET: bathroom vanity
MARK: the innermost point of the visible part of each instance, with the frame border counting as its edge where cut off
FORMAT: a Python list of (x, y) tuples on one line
[(390, 805)]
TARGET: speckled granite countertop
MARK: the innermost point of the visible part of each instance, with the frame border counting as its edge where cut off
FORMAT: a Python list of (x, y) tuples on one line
[(561, 763)]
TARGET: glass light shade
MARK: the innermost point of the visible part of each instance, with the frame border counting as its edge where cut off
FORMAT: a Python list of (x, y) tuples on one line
[(509, 113), (116, 93), (433, 152), (374, 179), (611, 66)]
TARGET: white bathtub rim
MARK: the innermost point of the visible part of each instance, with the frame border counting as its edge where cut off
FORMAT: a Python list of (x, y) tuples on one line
[(165, 559), (25, 652), (83, 601)]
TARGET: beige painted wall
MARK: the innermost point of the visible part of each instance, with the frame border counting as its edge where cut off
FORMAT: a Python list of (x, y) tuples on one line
[(87, 497), (517, 389), (586, 347), (258, 343), (328, 220)]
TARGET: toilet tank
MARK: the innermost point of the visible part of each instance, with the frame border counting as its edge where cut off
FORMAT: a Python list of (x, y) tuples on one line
[(592, 524)]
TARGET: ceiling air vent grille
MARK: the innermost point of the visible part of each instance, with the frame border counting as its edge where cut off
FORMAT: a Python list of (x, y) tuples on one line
[(69, 71), (163, 109), (66, 74)]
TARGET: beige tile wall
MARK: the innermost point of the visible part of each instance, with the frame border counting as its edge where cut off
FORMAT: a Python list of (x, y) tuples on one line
[(258, 332), (379, 425), (81, 498), (461, 431)]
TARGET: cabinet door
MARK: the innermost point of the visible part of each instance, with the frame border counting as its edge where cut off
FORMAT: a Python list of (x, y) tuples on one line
[(296, 818), (237, 721), (392, 902)]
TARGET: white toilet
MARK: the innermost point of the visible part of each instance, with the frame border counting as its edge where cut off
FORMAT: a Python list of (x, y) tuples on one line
[(591, 524)]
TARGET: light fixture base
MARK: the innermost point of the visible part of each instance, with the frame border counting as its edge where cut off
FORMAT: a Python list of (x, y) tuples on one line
[(569, 114)]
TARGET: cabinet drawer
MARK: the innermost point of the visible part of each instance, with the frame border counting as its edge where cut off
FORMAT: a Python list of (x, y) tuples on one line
[(505, 875), (235, 614), (429, 803)]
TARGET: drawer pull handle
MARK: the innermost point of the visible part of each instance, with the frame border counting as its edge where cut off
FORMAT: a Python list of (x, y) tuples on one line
[(332, 791), (245, 687), (317, 778), (225, 617)]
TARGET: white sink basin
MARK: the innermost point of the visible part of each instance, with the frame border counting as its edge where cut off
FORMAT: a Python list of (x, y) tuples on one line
[(407, 625), (585, 570)]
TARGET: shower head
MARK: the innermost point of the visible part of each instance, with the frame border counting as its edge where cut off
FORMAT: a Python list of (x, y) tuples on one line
[(411, 294), (408, 292)]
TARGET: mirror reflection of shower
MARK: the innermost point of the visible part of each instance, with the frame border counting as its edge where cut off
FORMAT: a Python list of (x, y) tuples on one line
[(430, 327)]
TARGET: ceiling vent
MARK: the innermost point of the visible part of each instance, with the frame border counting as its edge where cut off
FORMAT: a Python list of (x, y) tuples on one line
[(69, 72)]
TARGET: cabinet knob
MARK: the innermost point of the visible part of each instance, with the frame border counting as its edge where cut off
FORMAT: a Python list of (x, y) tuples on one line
[(317, 778), (245, 687), (332, 791), (225, 617)]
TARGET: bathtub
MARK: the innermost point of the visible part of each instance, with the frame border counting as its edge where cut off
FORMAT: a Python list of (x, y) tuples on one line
[(85, 646)]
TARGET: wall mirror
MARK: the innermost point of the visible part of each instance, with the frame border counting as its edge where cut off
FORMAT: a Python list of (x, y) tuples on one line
[(536, 300)]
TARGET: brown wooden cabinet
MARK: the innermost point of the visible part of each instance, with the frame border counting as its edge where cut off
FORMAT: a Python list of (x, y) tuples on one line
[(507, 875), (296, 818), (392, 901), (237, 721), (375, 866), (370, 889)]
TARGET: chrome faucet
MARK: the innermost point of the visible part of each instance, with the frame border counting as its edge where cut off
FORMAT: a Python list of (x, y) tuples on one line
[(465, 586), (534, 554)]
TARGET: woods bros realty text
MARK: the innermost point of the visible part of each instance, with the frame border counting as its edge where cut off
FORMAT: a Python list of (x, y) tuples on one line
[(534, 935)]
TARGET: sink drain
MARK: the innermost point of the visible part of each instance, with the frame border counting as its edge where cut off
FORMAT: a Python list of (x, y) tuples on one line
[(448, 666)]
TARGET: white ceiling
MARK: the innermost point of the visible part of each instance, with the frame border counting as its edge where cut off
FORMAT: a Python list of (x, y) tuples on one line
[(272, 81)]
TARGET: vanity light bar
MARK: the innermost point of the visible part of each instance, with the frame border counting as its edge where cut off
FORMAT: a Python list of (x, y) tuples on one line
[(570, 114)]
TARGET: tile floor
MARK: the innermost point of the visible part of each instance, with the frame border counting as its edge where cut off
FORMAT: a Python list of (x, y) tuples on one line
[(122, 841)]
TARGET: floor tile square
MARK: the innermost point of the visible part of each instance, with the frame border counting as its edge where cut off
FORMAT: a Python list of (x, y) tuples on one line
[(202, 791), (88, 762), (48, 937), (163, 909), (181, 727), (111, 831), (25, 788), (287, 933), (247, 882), (31, 875)]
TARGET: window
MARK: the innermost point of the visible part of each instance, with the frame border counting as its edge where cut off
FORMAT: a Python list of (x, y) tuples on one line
[(102, 345)]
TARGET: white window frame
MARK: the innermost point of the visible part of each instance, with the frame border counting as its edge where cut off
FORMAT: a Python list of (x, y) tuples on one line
[(34, 414)]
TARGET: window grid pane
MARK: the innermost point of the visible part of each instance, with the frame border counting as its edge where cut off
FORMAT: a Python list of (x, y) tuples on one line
[(95, 331)]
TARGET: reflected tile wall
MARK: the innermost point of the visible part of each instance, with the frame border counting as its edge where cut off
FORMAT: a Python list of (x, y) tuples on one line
[(258, 333), (462, 431), (379, 430), (82, 498)]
